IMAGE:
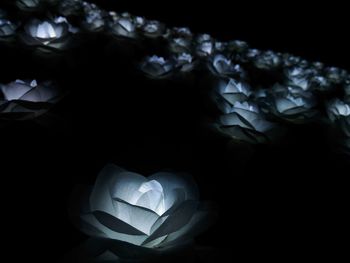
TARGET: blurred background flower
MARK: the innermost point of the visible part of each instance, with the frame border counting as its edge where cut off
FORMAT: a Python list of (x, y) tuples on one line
[(22, 100), (157, 67)]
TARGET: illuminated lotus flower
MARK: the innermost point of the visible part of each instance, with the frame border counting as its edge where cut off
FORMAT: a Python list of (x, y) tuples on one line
[(347, 90), (124, 27), (290, 60), (180, 40), (153, 29), (184, 32), (180, 45), (320, 83), (24, 99), (222, 66), (28, 5), (338, 109), (185, 62), (251, 54), (157, 67), (159, 212), (237, 46), (94, 18), (245, 122), (220, 47), (297, 76), (339, 114), (291, 103), (7, 28), (70, 7), (336, 75), (48, 35), (267, 60), (205, 45), (231, 91)]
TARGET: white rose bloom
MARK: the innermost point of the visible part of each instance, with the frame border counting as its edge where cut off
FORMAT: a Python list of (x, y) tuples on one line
[(291, 103), (297, 76), (124, 27), (205, 45), (157, 67), (70, 7), (180, 44), (48, 35), (222, 66), (185, 62), (336, 75), (229, 92), (94, 17), (245, 122), (26, 99), (267, 60), (338, 109), (7, 28), (160, 211), (28, 4), (339, 114), (153, 29)]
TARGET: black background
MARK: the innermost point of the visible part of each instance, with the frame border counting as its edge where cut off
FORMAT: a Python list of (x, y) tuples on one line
[(274, 202)]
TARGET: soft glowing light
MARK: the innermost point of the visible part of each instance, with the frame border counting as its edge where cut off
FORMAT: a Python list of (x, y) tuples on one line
[(151, 212)]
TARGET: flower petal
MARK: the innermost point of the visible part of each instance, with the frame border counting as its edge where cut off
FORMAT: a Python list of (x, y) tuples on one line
[(283, 104), (116, 224), (170, 182), (15, 90), (41, 94), (91, 220), (199, 222), (139, 217), (125, 186), (101, 199), (176, 220)]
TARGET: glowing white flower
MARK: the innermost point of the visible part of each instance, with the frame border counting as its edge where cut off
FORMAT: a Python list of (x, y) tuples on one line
[(222, 66), (157, 67), (290, 60), (245, 122), (180, 44), (267, 60), (205, 45), (185, 62), (180, 40), (47, 34), (70, 7), (26, 99), (159, 211), (28, 4), (336, 75), (153, 29), (338, 109), (339, 114), (297, 76), (291, 103), (7, 28), (230, 91), (124, 27), (94, 17)]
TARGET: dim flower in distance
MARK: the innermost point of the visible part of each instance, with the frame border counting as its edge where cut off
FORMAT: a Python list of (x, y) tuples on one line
[(20, 100)]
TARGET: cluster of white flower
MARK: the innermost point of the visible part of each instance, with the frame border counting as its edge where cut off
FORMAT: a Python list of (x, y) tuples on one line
[(292, 96)]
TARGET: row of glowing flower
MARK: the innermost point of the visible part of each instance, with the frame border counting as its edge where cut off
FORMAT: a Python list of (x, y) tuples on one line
[(302, 91)]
